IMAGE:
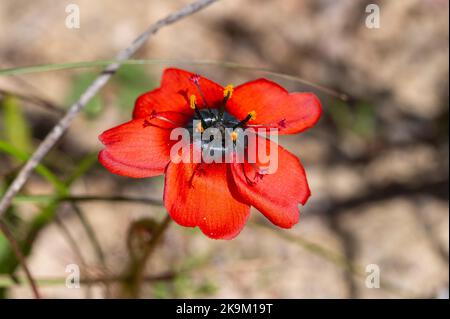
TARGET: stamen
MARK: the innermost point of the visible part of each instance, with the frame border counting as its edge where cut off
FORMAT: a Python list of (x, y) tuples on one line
[(199, 128), (228, 91), (193, 105), (192, 101), (250, 116), (234, 136)]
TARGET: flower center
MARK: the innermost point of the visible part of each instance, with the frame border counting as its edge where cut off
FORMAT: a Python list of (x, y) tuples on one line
[(217, 127), (217, 124), (214, 129)]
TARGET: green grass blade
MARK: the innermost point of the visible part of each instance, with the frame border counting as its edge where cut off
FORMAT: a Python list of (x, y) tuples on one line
[(16, 129), (224, 64), (11, 150)]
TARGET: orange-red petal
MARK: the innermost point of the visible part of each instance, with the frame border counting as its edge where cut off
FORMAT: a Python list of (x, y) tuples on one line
[(277, 192), (274, 107), (174, 93), (200, 195), (136, 149)]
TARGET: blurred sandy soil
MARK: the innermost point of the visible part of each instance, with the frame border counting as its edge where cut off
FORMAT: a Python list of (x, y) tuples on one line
[(377, 199)]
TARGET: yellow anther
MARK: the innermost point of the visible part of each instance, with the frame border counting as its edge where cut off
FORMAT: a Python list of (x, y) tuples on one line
[(199, 128), (234, 136), (192, 102), (252, 115), (228, 91)]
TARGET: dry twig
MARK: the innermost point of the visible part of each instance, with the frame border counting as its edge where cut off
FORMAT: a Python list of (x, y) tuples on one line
[(20, 257)]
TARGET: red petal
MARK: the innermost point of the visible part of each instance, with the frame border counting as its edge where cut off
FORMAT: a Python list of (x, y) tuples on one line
[(199, 195), (274, 106), (136, 149), (277, 193), (174, 92)]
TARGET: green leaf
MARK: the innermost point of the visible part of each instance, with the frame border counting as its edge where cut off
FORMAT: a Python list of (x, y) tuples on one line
[(16, 129), (40, 169), (365, 124), (360, 119), (161, 290)]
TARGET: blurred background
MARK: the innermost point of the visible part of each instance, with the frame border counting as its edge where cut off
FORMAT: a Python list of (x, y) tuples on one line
[(377, 164)]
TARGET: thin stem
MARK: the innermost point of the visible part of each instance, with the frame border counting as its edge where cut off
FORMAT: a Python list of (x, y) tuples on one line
[(74, 245), (70, 239), (16, 248), (6, 281), (86, 198), (93, 239), (225, 64)]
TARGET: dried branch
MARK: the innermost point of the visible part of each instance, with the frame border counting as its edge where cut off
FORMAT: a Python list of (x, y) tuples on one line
[(94, 241), (16, 248), (56, 133)]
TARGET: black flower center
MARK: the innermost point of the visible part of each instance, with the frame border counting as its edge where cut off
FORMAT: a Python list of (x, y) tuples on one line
[(218, 125)]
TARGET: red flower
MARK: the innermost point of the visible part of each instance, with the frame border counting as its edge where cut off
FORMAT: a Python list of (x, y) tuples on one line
[(216, 197)]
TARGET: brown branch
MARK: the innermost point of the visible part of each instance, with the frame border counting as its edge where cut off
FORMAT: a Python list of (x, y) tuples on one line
[(56, 133), (20, 257)]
